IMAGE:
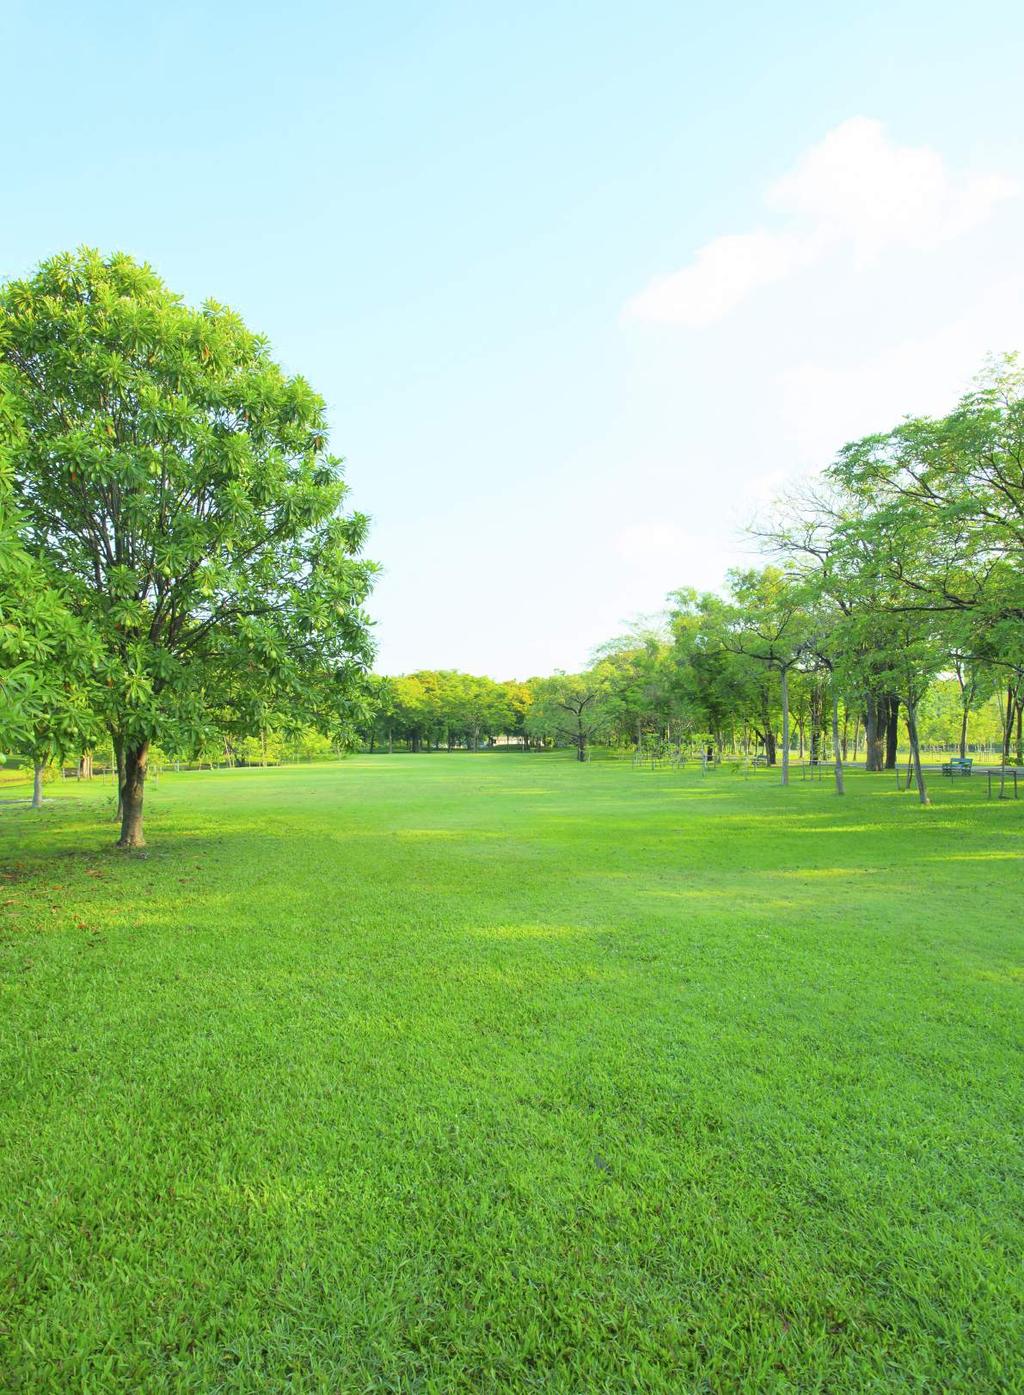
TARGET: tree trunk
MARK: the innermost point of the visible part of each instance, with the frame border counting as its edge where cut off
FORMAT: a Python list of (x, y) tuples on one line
[(784, 675), (915, 752), (391, 742), (37, 784), (817, 720), (1008, 725), (771, 755), (85, 766), (840, 784), (581, 744), (132, 792), (1020, 733), (967, 691), (873, 757), (891, 709)]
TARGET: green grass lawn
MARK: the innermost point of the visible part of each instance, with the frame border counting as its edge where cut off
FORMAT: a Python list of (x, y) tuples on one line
[(497, 1073)]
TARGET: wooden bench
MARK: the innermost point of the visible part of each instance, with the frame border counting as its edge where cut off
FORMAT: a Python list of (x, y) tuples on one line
[(959, 765)]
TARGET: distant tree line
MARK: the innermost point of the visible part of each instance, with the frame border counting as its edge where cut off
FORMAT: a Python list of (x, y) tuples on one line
[(440, 709), (890, 615)]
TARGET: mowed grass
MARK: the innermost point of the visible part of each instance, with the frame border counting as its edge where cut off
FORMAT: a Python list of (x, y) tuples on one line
[(496, 1073)]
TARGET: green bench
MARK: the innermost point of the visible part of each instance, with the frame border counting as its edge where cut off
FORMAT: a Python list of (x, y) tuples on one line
[(959, 765)]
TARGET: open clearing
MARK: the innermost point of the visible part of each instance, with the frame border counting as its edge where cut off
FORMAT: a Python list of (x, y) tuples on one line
[(498, 1073)]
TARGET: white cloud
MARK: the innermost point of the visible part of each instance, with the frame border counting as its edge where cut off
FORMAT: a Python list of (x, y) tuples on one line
[(659, 556), (823, 403), (855, 194), (722, 274)]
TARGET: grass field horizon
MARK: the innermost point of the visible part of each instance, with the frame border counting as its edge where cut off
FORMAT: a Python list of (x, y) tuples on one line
[(495, 1072)]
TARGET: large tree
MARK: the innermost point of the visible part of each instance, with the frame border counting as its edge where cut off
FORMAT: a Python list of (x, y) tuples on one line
[(950, 492), (571, 708), (182, 482), (638, 678)]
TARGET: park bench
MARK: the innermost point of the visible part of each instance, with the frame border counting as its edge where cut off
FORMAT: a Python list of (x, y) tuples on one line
[(959, 765), (759, 760)]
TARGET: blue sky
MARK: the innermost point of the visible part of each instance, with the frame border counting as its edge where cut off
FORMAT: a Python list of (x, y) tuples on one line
[(583, 284)]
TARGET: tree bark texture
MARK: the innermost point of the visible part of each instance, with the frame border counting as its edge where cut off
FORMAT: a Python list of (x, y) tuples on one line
[(891, 710), (132, 791)]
